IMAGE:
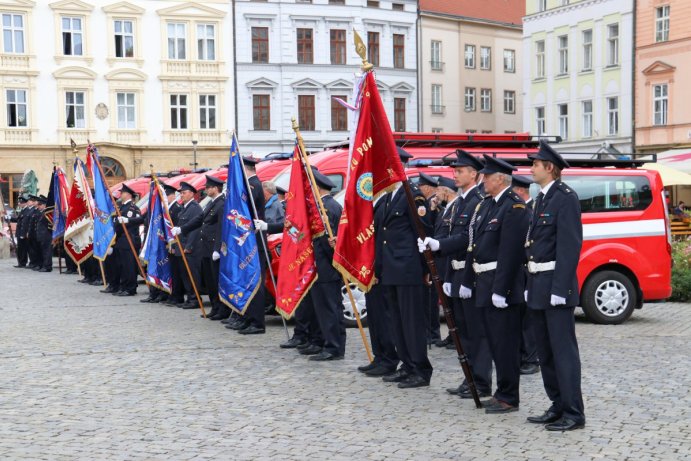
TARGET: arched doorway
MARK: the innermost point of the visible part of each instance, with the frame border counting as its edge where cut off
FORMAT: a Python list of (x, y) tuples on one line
[(113, 170)]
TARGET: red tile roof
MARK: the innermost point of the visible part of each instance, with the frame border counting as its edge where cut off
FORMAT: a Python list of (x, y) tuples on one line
[(507, 11)]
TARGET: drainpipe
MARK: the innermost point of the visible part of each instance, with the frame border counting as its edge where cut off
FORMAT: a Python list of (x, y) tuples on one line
[(633, 80), (418, 20), (235, 66)]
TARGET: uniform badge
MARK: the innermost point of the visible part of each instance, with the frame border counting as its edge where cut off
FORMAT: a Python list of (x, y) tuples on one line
[(421, 211), (129, 214)]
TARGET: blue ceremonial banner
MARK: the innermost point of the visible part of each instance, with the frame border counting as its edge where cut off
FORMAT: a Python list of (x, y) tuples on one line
[(104, 231), (159, 234), (240, 271), (57, 198)]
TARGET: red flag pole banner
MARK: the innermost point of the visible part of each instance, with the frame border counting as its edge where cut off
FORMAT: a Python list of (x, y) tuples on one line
[(79, 226), (373, 169), (297, 267)]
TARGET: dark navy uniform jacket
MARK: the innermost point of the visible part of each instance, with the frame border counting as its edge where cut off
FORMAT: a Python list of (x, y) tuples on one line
[(44, 228), (189, 220), (258, 196), (499, 235), (556, 234), (401, 263), (23, 223), (132, 212), (323, 253), (210, 232), (32, 220)]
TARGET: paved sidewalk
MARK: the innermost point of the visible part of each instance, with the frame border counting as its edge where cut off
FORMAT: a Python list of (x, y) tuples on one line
[(88, 376)]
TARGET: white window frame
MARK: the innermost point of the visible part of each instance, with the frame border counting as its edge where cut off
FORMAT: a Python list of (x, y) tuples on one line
[(177, 116), (124, 36), (510, 61), (177, 41), (587, 112), (540, 59), (660, 104), (662, 23), (435, 55), (540, 120), (509, 102), (17, 106), (613, 116), (206, 45), (613, 45), (587, 37), (563, 50), (485, 58), (126, 103), (207, 111), (485, 100), (563, 114), (76, 49), (469, 99), (78, 108), (469, 56), (541, 5), (437, 102), (13, 32)]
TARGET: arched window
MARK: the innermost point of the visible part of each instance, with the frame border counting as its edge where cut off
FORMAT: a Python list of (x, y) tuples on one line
[(113, 170)]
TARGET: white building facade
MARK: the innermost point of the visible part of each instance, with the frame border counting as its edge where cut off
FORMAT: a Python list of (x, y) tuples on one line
[(577, 78), (294, 58)]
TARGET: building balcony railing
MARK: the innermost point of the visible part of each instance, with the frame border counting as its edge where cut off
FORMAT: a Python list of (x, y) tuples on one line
[(126, 136), (203, 137), (15, 61), (438, 109), (189, 68), (80, 135), (437, 65), (18, 135)]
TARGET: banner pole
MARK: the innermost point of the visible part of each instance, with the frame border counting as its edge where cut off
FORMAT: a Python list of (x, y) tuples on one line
[(103, 274), (327, 226)]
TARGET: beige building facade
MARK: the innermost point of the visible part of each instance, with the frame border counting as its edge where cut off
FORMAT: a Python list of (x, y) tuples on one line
[(469, 74)]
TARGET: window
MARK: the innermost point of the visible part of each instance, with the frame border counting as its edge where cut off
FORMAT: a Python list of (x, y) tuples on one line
[(72, 36), (397, 7), (74, 109), (176, 40), (336, 2), (261, 112), (563, 42), (540, 59), (373, 4), (486, 100), (470, 56), (373, 47), (662, 23), (178, 111), (437, 130), (398, 51), (305, 46), (485, 58), (339, 114), (306, 112), (587, 109), (540, 120), (207, 111), (660, 104), (206, 42), (587, 50), (338, 46), (437, 107), (509, 61), (612, 193), (435, 54), (13, 33), (509, 102), (399, 114), (563, 110), (126, 112), (124, 39), (260, 44), (541, 5), (613, 45), (564, 2), (11, 187), (16, 108), (469, 99), (612, 116)]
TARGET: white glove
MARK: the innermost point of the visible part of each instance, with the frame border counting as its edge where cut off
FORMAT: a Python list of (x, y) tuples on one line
[(216, 256), (260, 225), (557, 300), (465, 292), (525, 295), (499, 301), (123, 219), (176, 231), (447, 289), (109, 251), (430, 243)]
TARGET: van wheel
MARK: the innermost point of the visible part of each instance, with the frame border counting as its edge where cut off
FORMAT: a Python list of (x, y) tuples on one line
[(348, 312), (609, 298)]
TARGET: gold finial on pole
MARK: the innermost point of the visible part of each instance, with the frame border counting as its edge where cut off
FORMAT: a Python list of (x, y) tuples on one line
[(74, 146), (361, 50)]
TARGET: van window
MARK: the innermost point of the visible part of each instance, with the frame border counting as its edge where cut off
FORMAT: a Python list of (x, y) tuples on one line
[(283, 180), (611, 193)]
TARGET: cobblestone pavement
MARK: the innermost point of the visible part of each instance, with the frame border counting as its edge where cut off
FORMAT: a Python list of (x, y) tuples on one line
[(88, 376)]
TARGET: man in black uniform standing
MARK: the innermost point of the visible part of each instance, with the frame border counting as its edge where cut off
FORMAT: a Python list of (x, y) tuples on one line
[(35, 258), (22, 233), (428, 186), (44, 236), (553, 245), (189, 223), (211, 245), (125, 273)]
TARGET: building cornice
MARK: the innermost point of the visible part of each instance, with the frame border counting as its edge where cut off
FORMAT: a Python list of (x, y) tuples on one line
[(458, 18), (565, 9)]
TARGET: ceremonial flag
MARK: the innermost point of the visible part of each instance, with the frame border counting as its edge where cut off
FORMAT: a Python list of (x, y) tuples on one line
[(104, 231), (58, 194), (240, 270), (154, 252), (297, 268), (79, 227), (373, 168)]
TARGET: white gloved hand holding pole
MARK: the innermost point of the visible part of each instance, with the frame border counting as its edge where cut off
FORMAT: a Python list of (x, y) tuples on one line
[(447, 289), (557, 301), (465, 292), (499, 301), (216, 256), (260, 225), (176, 231)]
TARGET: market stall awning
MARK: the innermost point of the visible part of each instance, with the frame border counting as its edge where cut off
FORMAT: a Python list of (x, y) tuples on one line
[(679, 159), (670, 176)]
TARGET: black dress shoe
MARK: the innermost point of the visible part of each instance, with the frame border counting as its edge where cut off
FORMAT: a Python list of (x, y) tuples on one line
[(213, 312), (565, 424), (451, 346), (69, 272), (292, 343), (188, 305), (19, 266), (465, 394), (311, 349), (125, 293), (380, 371), (368, 367), (443, 342), (529, 369), (36, 268), (108, 289), (497, 406), (456, 390), (239, 325), (95, 282), (84, 280), (45, 269), (304, 345), (547, 417), (252, 330), (397, 377), (325, 356), (413, 381), (148, 299)]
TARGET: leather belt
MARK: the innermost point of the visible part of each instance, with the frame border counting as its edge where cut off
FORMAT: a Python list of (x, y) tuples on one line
[(534, 267), (457, 265), (480, 268)]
